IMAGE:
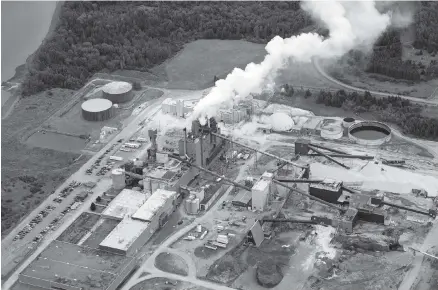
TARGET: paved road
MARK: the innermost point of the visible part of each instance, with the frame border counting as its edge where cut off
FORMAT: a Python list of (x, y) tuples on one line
[(430, 102), (149, 264), (8, 244)]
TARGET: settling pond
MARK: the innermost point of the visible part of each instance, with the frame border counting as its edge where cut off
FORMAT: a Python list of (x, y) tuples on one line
[(55, 141)]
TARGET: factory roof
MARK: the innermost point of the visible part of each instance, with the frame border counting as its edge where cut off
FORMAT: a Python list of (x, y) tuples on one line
[(328, 184), (169, 101), (154, 203), (96, 105), (312, 123), (261, 185), (125, 203), (243, 197), (124, 234), (117, 87)]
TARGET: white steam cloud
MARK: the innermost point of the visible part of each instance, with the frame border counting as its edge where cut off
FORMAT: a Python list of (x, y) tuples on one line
[(351, 25)]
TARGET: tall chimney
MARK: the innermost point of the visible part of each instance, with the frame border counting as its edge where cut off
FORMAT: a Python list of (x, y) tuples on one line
[(185, 141)]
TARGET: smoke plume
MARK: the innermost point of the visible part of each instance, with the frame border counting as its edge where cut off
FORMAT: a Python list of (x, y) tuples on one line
[(351, 25)]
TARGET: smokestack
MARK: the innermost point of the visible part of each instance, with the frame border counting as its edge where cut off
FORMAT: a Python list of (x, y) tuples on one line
[(185, 141)]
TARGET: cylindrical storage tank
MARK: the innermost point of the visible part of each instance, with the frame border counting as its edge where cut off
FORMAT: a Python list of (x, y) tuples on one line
[(136, 188), (97, 110), (199, 228), (347, 122), (118, 178), (118, 92), (188, 203), (195, 205), (147, 184), (332, 133), (138, 163), (140, 183)]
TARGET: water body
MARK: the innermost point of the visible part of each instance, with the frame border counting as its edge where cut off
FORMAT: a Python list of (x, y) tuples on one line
[(369, 133), (24, 26)]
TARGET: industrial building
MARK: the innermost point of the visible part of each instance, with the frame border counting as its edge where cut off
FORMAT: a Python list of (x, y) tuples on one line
[(68, 266), (143, 220), (328, 190), (97, 110), (126, 203), (311, 126), (118, 92), (176, 108), (200, 144), (260, 192), (233, 116)]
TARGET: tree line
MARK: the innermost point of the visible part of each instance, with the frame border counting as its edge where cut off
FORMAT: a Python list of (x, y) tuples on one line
[(105, 36), (392, 109)]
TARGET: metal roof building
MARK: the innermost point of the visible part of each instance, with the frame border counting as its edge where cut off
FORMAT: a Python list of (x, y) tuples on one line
[(126, 203), (155, 205), (124, 238)]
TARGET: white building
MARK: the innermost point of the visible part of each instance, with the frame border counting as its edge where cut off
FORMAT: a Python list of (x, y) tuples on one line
[(175, 107), (138, 227), (260, 193), (126, 203), (233, 116)]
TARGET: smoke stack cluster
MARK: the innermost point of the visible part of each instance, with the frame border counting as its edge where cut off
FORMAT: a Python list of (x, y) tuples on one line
[(351, 25)]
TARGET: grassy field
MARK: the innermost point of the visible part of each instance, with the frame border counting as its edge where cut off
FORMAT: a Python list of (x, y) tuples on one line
[(30, 174), (100, 233), (171, 263), (79, 228), (196, 65)]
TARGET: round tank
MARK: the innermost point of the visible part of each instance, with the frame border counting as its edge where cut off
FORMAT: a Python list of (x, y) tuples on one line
[(195, 205), (332, 133), (138, 163), (199, 228), (97, 110), (146, 184), (118, 178), (118, 92), (347, 122)]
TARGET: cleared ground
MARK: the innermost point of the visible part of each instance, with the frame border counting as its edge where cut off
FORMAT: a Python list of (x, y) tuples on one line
[(29, 174), (100, 233), (171, 263), (79, 228)]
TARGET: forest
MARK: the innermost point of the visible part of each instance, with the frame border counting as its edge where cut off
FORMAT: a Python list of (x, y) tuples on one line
[(392, 109), (106, 36)]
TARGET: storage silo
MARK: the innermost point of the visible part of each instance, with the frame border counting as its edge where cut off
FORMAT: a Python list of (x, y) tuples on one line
[(118, 92), (195, 206), (118, 178), (97, 110), (346, 123)]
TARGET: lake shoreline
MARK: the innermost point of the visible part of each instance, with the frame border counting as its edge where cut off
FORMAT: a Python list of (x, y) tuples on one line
[(12, 86)]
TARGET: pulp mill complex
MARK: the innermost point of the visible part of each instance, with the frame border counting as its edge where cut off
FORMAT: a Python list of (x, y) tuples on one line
[(180, 175)]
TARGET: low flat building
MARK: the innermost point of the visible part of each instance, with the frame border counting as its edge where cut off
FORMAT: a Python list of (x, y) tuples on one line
[(157, 207), (68, 266), (328, 190), (311, 126), (127, 237), (126, 203), (242, 198)]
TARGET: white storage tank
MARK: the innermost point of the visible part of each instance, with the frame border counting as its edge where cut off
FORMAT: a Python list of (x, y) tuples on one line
[(347, 122), (332, 133), (118, 178), (195, 206), (138, 163)]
